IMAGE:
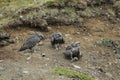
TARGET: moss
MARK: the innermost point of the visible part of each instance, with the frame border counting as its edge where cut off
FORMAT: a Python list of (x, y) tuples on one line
[(105, 42), (50, 3), (71, 12), (71, 74)]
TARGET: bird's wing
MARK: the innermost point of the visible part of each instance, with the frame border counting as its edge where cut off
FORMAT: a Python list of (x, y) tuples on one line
[(31, 41)]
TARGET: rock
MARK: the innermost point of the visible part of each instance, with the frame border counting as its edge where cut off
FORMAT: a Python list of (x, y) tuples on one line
[(28, 58), (49, 28), (1, 61), (80, 6), (67, 35), (75, 66), (40, 43), (25, 72), (43, 54)]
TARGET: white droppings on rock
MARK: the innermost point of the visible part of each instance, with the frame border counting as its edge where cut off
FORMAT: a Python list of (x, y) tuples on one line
[(25, 72), (1, 61), (77, 32), (28, 58), (46, 64), (67, 35)]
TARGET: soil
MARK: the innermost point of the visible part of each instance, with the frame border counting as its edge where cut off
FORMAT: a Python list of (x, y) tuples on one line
[(97, 62)]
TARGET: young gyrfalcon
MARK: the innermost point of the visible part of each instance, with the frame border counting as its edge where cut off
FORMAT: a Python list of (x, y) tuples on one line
[(31, 41), (72, 52), (56, 40)]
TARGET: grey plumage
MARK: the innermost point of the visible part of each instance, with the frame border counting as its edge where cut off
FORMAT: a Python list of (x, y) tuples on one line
[(72, 52), (73, 45), (31, 41), (57, 39)]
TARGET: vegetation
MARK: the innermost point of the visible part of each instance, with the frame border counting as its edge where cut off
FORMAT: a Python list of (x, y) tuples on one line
[(109, 43), (105, 42), (72, 74)]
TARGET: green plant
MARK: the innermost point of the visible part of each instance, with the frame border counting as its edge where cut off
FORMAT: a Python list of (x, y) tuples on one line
[(50, 3), (71, 74), (105, 42)]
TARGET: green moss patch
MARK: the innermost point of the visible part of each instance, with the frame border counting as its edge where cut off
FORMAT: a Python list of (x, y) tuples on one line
[(72, 74)]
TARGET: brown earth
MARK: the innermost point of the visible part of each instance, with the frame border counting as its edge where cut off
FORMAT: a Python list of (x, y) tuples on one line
[(98, 62)]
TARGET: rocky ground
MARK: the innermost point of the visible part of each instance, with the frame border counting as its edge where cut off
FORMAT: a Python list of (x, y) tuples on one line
[(88, 23)]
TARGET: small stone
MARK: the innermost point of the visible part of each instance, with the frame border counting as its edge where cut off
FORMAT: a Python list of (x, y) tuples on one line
[(1, 61), (77, 32), (21, 16), (46, 64), (43, 54), (40, 43), (49, 28), (25, 72), (75, 66), (67, 35), (28, 58), (17, 38)]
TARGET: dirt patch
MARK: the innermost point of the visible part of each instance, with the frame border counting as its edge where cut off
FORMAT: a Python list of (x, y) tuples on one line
[(95, 59), (9, 54)]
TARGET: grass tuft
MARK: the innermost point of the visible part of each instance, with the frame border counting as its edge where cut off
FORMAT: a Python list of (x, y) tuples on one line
[(105, 42), (72, 74)]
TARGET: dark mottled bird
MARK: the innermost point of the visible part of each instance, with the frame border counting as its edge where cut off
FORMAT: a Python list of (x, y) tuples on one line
[(57, 39), (31, 42), (72, 52), (73, 45)]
